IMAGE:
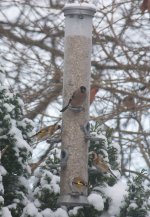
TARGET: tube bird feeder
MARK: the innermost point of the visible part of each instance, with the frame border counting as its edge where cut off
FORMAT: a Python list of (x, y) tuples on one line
[(77, 73)]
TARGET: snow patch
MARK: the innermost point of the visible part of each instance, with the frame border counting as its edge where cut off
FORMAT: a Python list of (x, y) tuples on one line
[(54, 183), (133, 205), (88, 5), (96, 200), (60, 213), (30, 210), (20, 142), (116, 146), (117, 194), (47, 213), (9, 107), (3, 172), (74, 211), (6, 212)]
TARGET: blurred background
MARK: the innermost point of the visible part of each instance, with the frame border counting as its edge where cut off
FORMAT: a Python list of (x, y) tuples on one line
[(31, 52)]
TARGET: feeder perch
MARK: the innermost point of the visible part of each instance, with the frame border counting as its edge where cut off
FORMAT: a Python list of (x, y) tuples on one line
[(76, 109), (64, 158)]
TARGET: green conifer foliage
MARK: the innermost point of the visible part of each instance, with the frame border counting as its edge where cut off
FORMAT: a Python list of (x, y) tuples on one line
[(15, 131), (46, 182), (46, 186), (137, 203)]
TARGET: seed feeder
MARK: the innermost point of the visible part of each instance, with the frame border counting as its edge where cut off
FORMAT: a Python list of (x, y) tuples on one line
[(77, 73)]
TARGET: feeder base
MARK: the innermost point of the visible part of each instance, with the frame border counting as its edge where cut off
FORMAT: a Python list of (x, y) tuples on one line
[(72, 200)]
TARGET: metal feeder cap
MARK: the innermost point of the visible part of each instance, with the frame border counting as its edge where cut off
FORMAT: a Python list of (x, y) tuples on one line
[(79, 9)]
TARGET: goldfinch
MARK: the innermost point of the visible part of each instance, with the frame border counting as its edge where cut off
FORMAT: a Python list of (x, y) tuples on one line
[(78, 185), (100, 165), (47, 132)]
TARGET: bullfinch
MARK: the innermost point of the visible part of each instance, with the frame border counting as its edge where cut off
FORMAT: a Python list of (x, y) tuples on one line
[(93, 92), (129, 102), (77, 99), (145, 6)]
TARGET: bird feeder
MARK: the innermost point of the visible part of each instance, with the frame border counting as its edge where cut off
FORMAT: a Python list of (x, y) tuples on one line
[(77, 73)]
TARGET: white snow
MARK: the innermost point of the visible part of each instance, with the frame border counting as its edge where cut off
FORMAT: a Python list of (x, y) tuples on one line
[(8, 94), (24, 181), (54, 184), (3, 137), (6, 212), (9, 107), (20, 102), (3, 172), (23, 123), (74, 211), (31, 210), (148, 214), (60, 213), (89, 5), (133, 205), (100, 136), (56, 152), (7, 117), (20, 143), (47, 213), (37, 203), (116, 145), (96, 200), (105, 153), (2, 75), (116, 193)]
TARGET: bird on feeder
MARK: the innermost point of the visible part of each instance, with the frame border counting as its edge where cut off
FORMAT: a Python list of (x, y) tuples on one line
[(77, 99), (78, 185), (145, 6), (93, 92), (47, 132), (100, 164)]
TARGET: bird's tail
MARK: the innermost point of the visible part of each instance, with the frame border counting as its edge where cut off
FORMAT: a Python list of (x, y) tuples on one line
[(66, 106), (113, 174)]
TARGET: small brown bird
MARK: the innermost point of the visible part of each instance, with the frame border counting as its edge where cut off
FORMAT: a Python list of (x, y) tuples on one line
[(78, 184), (77, 98), (93, 92), (100, 165), (129, 102), (47, 132), (145, 6)]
